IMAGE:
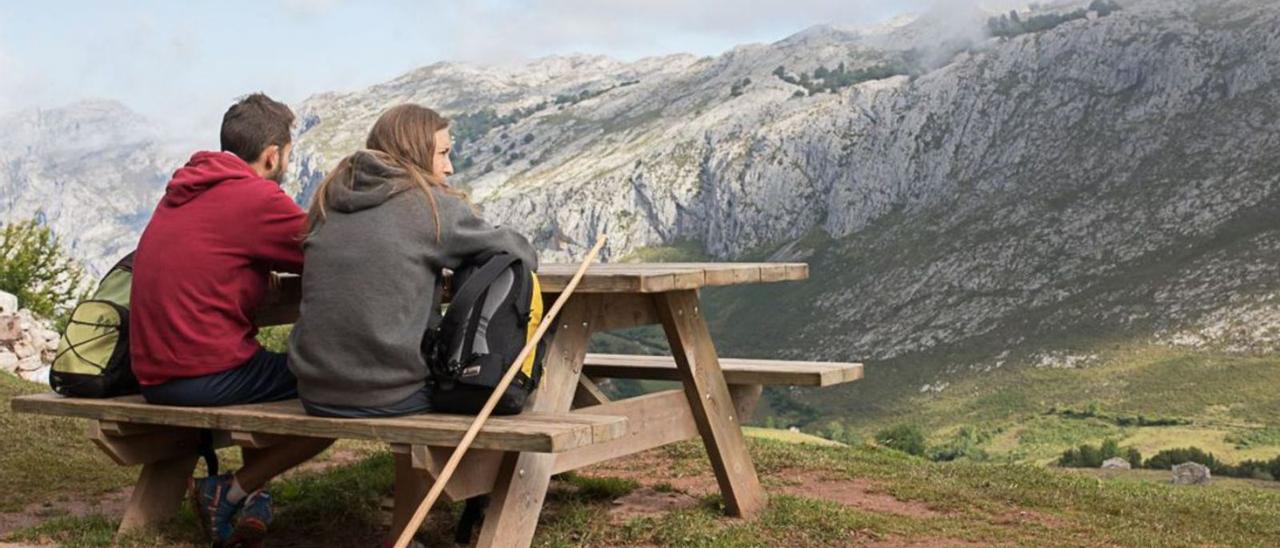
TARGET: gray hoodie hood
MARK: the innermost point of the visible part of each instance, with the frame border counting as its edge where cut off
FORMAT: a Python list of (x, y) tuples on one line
[(370, 276), (373, 178)]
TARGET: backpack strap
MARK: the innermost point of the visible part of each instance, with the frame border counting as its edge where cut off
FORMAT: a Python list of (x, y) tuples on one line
[(467, 298), (477, 282), (431, 339), (205, 448), (125, 263)]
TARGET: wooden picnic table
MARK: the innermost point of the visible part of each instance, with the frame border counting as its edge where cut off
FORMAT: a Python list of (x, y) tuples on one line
[(620, 296), (570, 422)]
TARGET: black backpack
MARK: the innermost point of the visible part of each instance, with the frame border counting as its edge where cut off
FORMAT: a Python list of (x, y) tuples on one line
[(495, 310), (93, 353)]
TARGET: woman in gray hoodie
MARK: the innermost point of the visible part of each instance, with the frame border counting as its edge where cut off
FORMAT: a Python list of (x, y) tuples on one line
[(381, 227)]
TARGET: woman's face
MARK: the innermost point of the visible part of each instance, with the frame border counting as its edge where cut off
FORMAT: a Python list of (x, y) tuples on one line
[(441, 166)]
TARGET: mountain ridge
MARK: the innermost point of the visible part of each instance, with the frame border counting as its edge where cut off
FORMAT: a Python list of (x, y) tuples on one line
[(963, 204)]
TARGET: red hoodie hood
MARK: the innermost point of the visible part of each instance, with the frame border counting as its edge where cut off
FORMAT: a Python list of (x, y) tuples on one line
[(204, 171)]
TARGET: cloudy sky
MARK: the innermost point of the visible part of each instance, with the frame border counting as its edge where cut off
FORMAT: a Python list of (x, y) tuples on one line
[(185, 61)]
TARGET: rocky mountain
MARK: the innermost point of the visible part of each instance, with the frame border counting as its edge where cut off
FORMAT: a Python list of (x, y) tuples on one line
[(1097, 170), (1088, 172), (93, 171)]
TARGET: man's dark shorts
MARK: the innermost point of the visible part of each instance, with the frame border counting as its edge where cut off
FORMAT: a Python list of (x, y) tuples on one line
[(265, 377)]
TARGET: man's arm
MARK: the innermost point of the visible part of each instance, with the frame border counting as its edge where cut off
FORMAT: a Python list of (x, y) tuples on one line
[(281, 225)]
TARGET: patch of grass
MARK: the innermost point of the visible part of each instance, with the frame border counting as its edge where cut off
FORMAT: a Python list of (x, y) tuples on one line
[(47, 458), (99, 530), (1217, 397), (970, 502), (275, 337), (600, 487), (788, 436), (335, 505), (665, 487), (1255, 437), (94, 530)]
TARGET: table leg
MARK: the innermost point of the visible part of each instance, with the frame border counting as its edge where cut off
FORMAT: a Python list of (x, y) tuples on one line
[(713, 407), (410, 488), (522, 482), (160, 489)]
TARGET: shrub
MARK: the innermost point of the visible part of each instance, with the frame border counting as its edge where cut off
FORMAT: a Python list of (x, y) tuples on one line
[(1165, 460), (835, 431), (964, 445), (1134, 457), (904, 437), (34, 267), (1088, 456)]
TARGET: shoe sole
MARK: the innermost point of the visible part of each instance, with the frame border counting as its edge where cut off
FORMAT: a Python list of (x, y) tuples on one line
[(249, 533)]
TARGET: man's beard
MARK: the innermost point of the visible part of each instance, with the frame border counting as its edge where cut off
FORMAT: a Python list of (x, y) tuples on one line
[(278, 175)]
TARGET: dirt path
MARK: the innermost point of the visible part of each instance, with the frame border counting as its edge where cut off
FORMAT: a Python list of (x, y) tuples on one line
[(109, 504), (112, 504)]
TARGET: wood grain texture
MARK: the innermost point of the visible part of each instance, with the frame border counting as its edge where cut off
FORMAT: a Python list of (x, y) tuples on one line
[(157, 444), (157, 493), (281, 305), (537, 432), (475, 476), (259, 440), (523, 478), (736, 370), (653, 420), (710, 401), (588, 394), (662, 277)]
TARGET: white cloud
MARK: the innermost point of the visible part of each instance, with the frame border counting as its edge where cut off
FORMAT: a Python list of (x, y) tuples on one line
[(309, 8), (20, 87), (493, 30)]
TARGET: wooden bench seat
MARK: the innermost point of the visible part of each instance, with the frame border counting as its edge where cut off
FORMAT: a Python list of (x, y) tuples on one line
[(736, 370), (534, 432)]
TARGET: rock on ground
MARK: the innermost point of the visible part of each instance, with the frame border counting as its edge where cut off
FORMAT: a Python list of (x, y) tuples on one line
[(1116, 463), (27, 344), (1190, 473)]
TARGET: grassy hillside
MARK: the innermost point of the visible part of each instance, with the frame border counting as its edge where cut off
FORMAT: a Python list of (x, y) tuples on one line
[(48, 458), (1028, 407), (819, 496), (1000, 392)]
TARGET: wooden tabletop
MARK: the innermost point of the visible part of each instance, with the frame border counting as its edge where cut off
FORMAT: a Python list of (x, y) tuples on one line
[(281, 305), (660, 277)]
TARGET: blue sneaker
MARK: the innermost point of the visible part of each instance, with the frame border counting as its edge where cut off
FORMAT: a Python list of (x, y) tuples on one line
[(209, 496), (255, 517)]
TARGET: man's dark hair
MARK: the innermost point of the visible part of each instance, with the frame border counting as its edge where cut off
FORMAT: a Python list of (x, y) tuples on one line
[(255, 123)]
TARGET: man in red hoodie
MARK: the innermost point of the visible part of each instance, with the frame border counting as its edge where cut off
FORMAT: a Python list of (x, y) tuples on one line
[(201, 271)]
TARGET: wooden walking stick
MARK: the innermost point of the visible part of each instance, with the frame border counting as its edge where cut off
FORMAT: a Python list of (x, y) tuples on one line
[(443, 479)]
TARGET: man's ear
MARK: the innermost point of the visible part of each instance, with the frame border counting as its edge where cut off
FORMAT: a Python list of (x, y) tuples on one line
[(270, 158)]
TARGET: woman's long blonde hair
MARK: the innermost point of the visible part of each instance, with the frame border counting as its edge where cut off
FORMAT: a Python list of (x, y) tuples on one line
[(406, 136)]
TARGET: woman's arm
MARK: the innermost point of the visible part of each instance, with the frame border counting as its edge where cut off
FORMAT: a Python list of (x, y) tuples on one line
[(465, 236)]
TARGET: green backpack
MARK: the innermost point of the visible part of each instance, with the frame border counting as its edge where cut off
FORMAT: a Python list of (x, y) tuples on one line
[(93, 354)]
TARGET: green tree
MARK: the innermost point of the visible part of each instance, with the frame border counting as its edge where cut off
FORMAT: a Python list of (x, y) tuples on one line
[(34, 267), (835, 431), (906, 438), (1134, 457)]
